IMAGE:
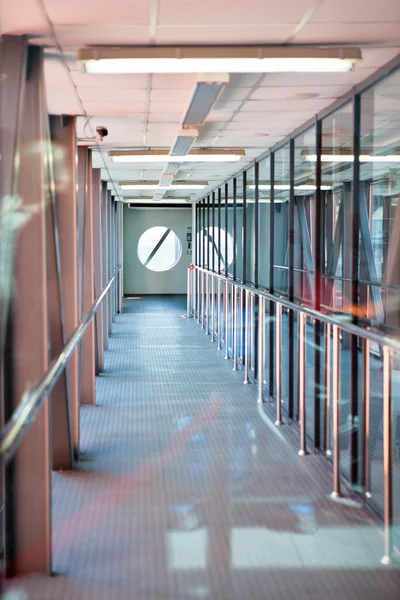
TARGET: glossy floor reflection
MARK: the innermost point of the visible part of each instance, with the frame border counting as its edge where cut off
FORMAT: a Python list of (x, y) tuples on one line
[(187, 490)]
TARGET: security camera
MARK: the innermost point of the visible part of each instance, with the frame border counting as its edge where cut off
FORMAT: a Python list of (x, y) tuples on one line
[(102, 132)]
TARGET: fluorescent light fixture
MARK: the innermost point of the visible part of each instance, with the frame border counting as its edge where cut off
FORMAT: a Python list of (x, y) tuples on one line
[(184, 142), (205, 95), (154, 185), (162, 156), (141, 199), (217, 59), (285, 187), (349, 158)]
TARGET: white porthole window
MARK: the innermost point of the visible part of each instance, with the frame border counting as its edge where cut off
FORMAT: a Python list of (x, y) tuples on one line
[(217, 245), (159, 249)]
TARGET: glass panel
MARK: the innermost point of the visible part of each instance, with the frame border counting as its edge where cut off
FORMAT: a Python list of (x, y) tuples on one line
[(379, 258), (250, 225), (230, 223), (304, 234), (239, 228), (337, 182), (264, 208), (337, 174), (281, 214)]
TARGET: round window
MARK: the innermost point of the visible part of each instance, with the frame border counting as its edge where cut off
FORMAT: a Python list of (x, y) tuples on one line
[(159, 249), (218, 242)]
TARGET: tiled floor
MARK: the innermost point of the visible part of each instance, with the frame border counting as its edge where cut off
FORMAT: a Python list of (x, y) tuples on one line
[(187, 490)]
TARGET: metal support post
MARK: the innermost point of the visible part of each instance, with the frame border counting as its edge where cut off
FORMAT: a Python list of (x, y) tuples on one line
[(212, 307), (388, 455), (366, 406), (207, 304), (219, 315), (261, 349), (302, 382), (226, 318), (189, 284), (278, 362), (246, 338), (203, 275), (327, 389), (235, 328), (336, 412)]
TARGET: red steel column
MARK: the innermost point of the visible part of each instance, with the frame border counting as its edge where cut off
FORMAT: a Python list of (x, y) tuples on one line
[(88, 389), (63, 136), (98, 267), (28, 478)]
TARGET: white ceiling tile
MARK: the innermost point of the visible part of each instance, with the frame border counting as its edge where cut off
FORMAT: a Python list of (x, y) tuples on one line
[(260, 12), (357, 11), (112, 81), (284, 93), (97, 34), (168, 107), (111, 94), (76, 12), (340, 33), (211, 34), (171, 95)]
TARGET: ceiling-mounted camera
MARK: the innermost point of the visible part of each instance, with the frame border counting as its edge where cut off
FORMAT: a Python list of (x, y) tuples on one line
[(102, 132)]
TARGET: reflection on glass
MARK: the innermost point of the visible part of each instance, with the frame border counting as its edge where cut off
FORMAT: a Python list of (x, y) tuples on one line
[(281, 219), (250, 225), (337, 140), (264, 212), (239, 228), (304, 200)]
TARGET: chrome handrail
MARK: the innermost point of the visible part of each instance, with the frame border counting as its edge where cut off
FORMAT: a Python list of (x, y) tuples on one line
[(34, 398), (366, 333), (334, 325)]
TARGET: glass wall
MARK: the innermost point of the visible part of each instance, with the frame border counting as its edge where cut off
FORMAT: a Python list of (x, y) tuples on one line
[(317, 220)]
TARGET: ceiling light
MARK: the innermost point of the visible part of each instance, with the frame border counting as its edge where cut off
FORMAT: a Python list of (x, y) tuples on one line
[(217, 59), (285, 187), (341, 158), (205, 95), (154, 185), (162, 156), (141, 199)]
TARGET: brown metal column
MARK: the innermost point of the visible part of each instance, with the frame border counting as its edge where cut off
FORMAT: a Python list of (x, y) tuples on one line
[(62, 441), (104, 249), (28, 498), (98, 267), (88, 387)]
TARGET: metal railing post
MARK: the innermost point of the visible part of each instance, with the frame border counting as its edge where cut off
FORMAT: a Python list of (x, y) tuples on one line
[(388, 455), (226, 318), (235, 328), (278, 341), (207, 304), (202, 298), (366, 406), (336, 412), (261, 349), (212, 306), (246, 338), (198, 295), (219, 315), (188, 293), (302, 382), (327, 389)]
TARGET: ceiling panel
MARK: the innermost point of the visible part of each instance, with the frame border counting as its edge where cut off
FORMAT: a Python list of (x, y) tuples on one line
[(76, 12), (262, 12), (339, 33), (110, 81), (212, 34), (357, 11)]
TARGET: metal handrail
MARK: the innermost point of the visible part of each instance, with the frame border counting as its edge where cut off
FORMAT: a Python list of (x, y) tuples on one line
[(34, 398), (334, 324), (365, 333)]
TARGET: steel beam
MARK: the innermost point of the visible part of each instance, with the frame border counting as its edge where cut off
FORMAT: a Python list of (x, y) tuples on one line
[(88, 388), (104, 243), (98, 266), (28, 497)]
